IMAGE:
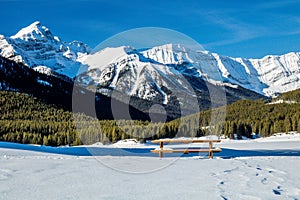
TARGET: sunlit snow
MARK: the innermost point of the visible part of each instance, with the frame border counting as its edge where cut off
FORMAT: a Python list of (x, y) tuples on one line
[(265, 168)]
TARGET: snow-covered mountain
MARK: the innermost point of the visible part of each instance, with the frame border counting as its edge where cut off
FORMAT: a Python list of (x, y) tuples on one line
[(170, 74), (268, 76), (144, 73), (36, 47), (279, 73), (152, 73), (127, 70)]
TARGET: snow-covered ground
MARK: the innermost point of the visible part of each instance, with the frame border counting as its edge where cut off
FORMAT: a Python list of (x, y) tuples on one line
[(264, 168)]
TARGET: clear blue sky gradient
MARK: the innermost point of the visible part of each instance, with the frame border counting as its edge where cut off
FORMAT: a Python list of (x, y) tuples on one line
[(237, 28)]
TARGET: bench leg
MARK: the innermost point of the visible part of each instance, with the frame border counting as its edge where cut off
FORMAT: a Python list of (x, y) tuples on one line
[(210, 154), (161, 154), (161, 146)]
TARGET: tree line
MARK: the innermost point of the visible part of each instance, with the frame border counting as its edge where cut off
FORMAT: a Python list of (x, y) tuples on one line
[(26, 119)]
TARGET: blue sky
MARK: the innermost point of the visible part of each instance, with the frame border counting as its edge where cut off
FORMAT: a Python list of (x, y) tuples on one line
[(250, 29)]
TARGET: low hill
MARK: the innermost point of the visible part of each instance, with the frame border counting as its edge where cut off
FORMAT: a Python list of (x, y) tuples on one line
[(292, 96)]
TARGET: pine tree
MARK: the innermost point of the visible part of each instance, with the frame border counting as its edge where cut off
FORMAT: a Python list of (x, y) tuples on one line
[(45, 141)]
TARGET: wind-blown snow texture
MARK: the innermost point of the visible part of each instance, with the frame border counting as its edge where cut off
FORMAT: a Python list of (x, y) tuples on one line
[(143, 73)]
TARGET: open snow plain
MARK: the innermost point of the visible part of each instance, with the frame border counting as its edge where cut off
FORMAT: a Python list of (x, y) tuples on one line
[(265, 168)]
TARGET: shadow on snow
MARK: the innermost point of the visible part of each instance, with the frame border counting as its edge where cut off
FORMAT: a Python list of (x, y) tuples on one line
[(144, 152)]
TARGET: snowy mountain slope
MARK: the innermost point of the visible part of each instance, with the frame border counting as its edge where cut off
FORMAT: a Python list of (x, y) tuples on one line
[(57, 91), (164, 75), (280, 73), (149, 74), (36, 46), (268, 76), (126, 70)]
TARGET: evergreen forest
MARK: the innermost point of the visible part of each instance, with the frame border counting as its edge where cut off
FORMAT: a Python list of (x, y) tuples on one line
[(29, 120)]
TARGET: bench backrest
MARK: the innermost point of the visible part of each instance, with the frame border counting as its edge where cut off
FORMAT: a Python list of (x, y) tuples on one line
[(183, 141)]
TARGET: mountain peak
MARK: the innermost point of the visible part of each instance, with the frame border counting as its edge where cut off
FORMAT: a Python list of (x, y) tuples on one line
[(36, 23), (36, 32), (172, 47), (169, 54)]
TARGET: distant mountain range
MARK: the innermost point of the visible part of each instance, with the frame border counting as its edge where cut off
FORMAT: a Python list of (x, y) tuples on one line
[(152, 75)]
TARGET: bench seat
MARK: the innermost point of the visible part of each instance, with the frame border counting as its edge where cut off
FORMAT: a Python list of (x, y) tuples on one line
[(186, 151)]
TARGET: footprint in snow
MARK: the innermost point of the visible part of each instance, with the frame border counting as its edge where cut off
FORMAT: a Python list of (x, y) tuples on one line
[(224, 198), (264, 181), (277, 191), (5, 174)]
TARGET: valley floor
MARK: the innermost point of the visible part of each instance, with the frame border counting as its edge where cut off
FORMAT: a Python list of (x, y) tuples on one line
[(256, 169)]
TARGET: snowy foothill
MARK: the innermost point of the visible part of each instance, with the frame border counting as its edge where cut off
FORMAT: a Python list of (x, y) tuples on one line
[(264, 168)]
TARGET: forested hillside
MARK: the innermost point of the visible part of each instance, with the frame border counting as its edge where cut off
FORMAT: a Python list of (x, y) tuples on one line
[(25, 119), (245, 117)]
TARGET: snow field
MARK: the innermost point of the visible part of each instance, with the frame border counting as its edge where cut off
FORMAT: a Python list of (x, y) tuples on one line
[(270, 171)]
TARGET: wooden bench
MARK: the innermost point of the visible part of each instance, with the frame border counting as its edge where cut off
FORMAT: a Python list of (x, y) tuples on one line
[(210, 150)]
